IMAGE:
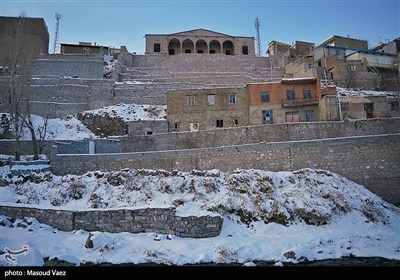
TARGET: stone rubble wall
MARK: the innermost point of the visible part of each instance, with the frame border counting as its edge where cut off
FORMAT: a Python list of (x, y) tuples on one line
[(158, 220)]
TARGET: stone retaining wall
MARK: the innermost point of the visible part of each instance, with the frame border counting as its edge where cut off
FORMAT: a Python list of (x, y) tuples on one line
[(373, 161), (159, 220)]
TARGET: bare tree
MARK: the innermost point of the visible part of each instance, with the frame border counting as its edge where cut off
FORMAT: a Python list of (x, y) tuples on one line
[(17, 52)]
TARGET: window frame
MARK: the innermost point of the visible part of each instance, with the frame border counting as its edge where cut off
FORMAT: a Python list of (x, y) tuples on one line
[(157, 47), (308, 113), (213, 99), (190, 100), (290, 94), (307, 94), (271, 116), (265, 94), (232, 98)]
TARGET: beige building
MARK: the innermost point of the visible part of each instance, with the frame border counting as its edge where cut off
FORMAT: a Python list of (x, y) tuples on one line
[(202, 109), (358, 107), (85, 48), (199, 41)]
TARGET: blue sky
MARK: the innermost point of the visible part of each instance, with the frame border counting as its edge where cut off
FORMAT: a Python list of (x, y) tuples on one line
[(119, 22)]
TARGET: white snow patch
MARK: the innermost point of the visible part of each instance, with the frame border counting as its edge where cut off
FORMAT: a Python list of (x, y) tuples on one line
[(363, 93), (132, 112), (354, 221)]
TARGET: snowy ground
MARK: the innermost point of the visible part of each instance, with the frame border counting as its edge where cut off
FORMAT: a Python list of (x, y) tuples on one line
[(132, 112), (363, 93), (271, 216), (70, 128)]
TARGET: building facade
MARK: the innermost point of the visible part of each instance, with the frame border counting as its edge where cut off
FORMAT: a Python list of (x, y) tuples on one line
[(291, 100), (34, 30), (84, 48), (202, 109), (199, 41), (359, 107)]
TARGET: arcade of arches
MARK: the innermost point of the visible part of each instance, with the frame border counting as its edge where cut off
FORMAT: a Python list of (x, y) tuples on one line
[(200, 41)]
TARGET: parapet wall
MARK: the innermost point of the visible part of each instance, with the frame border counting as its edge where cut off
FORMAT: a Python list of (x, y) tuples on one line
[(159, 220)]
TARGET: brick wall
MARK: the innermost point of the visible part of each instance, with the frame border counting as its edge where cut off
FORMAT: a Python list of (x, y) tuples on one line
[(159, 220)]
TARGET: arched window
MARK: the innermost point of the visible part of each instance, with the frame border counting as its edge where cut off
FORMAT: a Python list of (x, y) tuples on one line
[(174, 47), (215, 47), (227, 47), (188, 46), (201, 46)]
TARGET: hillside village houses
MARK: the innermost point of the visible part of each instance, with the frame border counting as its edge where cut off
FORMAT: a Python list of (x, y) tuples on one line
[(211, 80)]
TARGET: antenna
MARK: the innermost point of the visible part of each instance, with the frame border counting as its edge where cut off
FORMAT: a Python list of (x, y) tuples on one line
[(56, 39), (257, 27)]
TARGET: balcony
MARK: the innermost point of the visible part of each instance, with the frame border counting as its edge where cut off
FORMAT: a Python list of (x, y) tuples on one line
[(298, 102)]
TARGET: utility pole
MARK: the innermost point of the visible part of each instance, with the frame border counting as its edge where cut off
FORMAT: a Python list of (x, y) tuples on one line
[(56, 39), (257, 27)]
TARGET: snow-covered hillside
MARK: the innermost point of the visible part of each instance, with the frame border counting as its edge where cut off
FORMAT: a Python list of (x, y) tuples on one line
[(132, 112), (271, 216), (71, 128)]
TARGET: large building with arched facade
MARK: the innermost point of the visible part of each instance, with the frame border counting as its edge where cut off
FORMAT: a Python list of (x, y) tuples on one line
[(199, 41)]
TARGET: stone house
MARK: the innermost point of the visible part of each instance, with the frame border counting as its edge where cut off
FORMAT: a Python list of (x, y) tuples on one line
[(275, 47), (291, 100), (202, 109), (201, 41), (334, 108), (84, 48)]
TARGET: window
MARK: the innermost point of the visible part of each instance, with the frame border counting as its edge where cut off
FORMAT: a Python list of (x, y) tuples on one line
[(353, 68), (368, 106), (188, 51), (344, 106), (245, 50), (309, 116), (86, 51), (149, 132), (267, 117), (177, 125), (394, 105), (157, 47), (220, 123), (307, 93), (190, 100), (212, 51), (194, 127), (235, 122), (211, 99), (232, 98), (171, 52), (228, 52), (264, 96), (290, 94), (199, 51)]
